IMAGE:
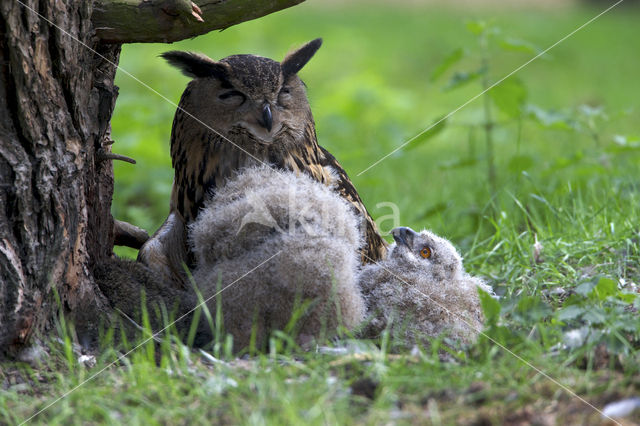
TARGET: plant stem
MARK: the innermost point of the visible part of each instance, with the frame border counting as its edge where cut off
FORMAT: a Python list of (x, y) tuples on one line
[(488, 122), (518, 141)]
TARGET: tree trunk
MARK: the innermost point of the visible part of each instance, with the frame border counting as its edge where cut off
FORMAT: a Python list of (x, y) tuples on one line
[(56, 100)]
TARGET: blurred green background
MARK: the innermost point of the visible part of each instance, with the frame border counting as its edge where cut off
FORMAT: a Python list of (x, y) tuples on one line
[(568, 121)]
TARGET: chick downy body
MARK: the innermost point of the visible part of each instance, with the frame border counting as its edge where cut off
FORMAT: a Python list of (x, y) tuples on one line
[(421, 290), (281, 252)]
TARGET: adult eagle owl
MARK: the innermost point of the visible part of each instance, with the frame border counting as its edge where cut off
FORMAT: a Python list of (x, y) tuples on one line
[(238, 112)]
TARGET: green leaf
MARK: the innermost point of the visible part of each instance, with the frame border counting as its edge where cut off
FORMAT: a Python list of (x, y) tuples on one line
[(476, 27), (450, 60), (585, 288), (570, 312), (532, 308), (628, 324), (490, 307), (550, 119), (510, 96), (624, 143), (518, 45), (564, 162), (458, 163), (595, 315), (604, 288), (591, 111), (616, 344), (627, 297), (463, 78), (595, 335), (439, 126)]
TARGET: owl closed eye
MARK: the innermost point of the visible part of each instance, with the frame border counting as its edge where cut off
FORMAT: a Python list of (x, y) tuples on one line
[(247, 93)]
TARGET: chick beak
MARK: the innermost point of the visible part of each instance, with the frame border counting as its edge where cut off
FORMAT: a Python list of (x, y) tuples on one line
[(267, 118), (403, 236)]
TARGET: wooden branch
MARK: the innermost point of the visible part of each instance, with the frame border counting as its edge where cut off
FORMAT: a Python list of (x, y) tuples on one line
[(166, 21), (129, 235), (104, 156)]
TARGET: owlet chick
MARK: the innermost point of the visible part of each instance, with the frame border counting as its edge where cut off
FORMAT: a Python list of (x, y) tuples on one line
[(285, 249), (422, 290)]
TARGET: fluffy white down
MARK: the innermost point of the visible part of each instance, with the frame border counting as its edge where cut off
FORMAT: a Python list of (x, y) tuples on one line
[(418, 299), (314, 236)]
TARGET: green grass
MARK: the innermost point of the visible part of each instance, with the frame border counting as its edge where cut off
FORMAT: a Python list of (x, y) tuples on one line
[(569, 185)]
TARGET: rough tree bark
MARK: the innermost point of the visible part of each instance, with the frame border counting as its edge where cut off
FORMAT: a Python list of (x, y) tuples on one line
[(56, 179), (56, 99), (129, 21)]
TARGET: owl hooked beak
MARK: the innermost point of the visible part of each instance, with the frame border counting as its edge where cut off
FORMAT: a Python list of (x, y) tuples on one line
[(267, 118), (404, 236), (260, 122)]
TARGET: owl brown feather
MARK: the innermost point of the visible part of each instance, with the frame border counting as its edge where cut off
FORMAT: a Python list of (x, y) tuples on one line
[(241, 111)]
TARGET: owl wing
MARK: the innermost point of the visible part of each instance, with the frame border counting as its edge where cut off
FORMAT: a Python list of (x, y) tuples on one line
[(375, 247), (321, 165)]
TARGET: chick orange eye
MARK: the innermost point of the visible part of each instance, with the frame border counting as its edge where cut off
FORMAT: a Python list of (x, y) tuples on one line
[(425, 252)]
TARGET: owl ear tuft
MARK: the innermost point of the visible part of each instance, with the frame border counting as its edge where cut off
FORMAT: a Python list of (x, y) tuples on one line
[(294, 61), (196, 65)]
